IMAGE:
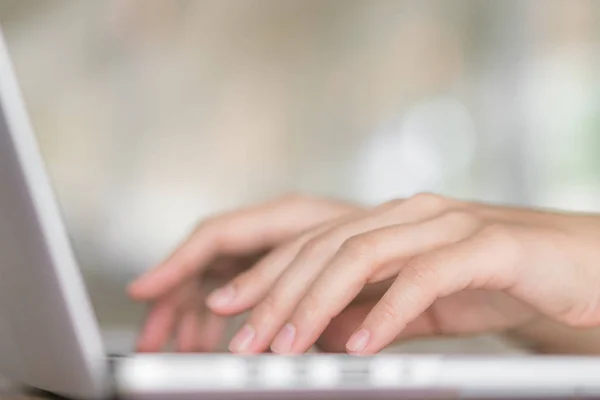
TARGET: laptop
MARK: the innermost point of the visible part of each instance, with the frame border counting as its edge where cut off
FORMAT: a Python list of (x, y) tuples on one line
[(50, 339)]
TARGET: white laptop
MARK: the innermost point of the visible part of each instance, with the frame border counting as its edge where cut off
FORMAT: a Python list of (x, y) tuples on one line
[(50, 339)]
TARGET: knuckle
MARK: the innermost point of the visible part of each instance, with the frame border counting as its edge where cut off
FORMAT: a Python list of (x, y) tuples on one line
[(270, 305), (315, 246), (360, 247), (388, 312), (310, 307), (422, 273), (462, 218), (392, 204), (430, 201), (325, 242)]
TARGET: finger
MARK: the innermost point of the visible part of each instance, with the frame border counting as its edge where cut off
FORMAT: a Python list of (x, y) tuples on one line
[(199, 329), (211, 333), (359, 260), (159, 324), (269, 316), (486, 261), (341, 327), (333, 339), (235, 233), (248, 288), (191, 310), (251, 288), (188, 333)]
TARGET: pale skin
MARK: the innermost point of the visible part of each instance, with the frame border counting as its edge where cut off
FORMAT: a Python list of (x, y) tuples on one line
[(356, 279)]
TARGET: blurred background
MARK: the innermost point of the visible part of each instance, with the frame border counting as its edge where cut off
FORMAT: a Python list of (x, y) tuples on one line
[(154, 114)]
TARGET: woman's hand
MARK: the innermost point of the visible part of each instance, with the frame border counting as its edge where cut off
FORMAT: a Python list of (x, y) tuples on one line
[(221, 248), (441, 266)]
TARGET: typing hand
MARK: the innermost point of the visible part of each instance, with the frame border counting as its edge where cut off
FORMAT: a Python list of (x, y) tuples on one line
[(221, 248), (440, 266)]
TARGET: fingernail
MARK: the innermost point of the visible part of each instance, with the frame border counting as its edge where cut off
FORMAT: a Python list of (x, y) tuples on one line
[(284, 340), (221, 297), (358, 342), (242, 340)]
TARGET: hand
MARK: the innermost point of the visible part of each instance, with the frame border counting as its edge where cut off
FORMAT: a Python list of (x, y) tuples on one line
[(457, 268), (221, 247)]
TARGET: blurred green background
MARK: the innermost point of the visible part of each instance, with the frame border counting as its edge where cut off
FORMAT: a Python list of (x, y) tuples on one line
[(153, 114)]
